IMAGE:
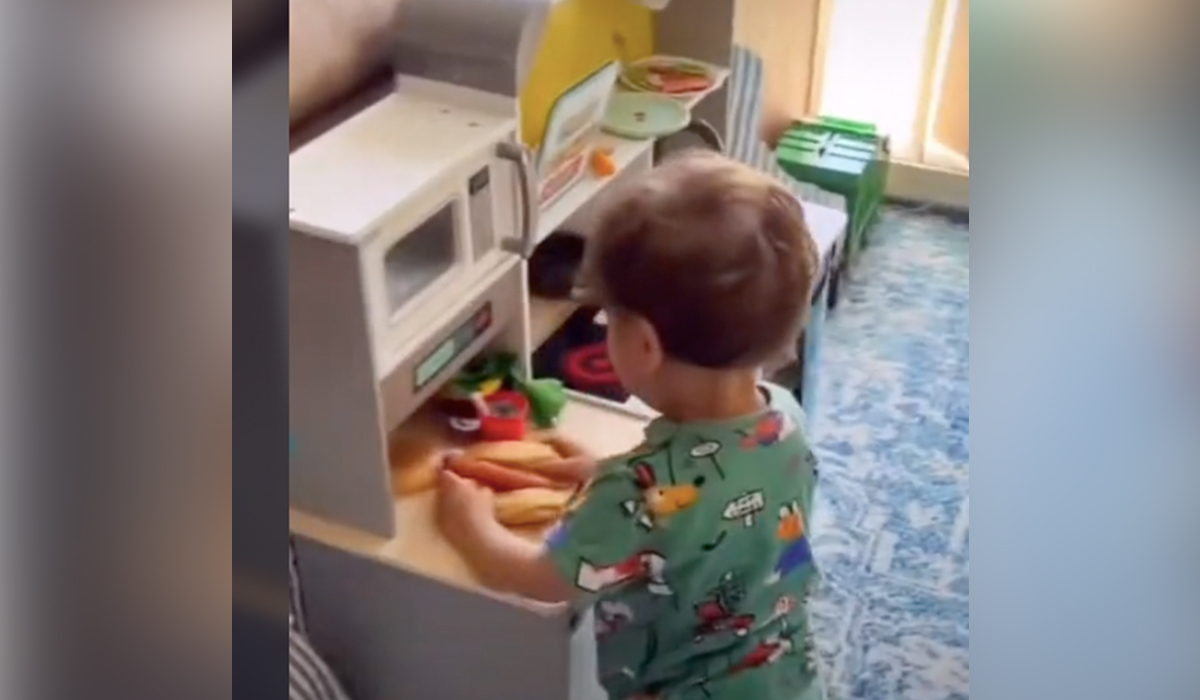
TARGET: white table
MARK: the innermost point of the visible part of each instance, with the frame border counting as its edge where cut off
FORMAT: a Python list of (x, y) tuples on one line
[(828, 229)]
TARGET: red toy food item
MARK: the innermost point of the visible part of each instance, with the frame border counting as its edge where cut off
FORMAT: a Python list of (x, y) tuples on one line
[(673, 81), (507, 416), (497, 477)]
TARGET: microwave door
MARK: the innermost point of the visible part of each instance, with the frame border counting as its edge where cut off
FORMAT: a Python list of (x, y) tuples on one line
[(423, 258)]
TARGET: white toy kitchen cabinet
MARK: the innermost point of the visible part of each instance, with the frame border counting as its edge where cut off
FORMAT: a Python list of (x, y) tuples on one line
[(408, 224)]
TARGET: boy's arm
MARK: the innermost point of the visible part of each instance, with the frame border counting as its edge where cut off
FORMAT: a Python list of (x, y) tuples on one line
[(593, 548), (500, 559), (577, 466), (509, 563)]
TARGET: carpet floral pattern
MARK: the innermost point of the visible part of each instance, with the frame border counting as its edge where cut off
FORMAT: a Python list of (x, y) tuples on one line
[(890, 425)]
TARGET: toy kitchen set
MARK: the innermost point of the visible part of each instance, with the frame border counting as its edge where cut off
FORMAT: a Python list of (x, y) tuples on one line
[(412, 225), (419, 311)]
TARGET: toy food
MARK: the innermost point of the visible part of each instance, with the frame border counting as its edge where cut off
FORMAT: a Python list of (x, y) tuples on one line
[(416, 478), (489, 375), (521, 454), (495, 476), (602, 163), (668, 76), (547, 399), (565, 447), (416, 456), (529, 507), (505, 416)]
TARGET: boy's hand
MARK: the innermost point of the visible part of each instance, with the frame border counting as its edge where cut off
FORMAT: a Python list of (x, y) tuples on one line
[(501, 559), (577, 464), (464, 508), (566, 447)]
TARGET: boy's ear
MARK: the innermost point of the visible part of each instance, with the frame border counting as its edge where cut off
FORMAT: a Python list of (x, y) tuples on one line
[(649, 343), (781, 360)]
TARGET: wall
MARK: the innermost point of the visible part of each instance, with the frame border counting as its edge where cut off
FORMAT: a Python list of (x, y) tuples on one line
[(580, 36), (334, 46), (953, 126), (784, 33)]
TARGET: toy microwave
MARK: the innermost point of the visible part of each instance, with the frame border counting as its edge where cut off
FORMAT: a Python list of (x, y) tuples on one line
[(408, 224)]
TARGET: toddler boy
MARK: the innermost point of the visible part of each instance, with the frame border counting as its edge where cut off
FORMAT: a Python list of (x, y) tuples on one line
[(693, 549)]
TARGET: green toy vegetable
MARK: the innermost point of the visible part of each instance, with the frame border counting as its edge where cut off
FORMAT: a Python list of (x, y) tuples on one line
[(547, 397)]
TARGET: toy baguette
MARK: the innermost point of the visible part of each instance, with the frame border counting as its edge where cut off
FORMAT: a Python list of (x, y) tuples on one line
[(529, 507), (519, 454), (418, 478)]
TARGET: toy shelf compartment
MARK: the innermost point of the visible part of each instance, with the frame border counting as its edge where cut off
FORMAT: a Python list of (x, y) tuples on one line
[(627, 154), (575, 210)]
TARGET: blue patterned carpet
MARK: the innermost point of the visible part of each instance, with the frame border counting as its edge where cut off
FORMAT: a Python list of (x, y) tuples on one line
[(891, 427)]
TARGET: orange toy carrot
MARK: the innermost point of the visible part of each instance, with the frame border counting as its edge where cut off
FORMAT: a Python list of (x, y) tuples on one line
[(602, 163), (495, 476)]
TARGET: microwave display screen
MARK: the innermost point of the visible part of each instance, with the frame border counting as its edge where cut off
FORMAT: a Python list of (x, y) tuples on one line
[(453, 346)]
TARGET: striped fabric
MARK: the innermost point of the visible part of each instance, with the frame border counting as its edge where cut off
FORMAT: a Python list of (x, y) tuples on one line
[(295, 605), (745, 116), (309, 678)]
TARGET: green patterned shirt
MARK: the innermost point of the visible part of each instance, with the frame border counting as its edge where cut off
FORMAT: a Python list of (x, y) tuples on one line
[(694, 552)]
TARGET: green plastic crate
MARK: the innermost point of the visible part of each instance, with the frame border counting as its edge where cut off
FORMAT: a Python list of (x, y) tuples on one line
[(844, 157)]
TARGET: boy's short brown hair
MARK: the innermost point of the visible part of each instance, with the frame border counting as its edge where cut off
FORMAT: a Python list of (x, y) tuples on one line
[(714, 255)]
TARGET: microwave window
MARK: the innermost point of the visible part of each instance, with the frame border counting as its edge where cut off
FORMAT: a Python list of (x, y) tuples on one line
[(420, 258)]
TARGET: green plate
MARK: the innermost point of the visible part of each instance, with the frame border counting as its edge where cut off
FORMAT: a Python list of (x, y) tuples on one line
[(642, 115)]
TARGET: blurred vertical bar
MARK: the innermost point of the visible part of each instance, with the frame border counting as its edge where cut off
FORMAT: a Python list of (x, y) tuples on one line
[(260, 413)]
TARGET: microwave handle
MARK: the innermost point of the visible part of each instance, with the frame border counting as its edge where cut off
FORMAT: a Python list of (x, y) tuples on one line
[(520, 156)]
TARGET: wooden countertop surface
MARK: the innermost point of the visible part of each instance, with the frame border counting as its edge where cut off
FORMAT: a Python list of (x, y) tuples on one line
[(418, 545)]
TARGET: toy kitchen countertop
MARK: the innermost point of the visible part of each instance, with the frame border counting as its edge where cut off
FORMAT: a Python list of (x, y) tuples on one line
[(418, 545)]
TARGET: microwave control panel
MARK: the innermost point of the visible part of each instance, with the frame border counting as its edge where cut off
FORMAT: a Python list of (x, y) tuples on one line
[(453, 346)]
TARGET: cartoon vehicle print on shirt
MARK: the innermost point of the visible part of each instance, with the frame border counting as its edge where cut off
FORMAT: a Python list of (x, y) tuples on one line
[(611, 617), (659, 502), (718, 614), (785, 606), (772, 429), (772, 649), (645, 567), (796, 552)]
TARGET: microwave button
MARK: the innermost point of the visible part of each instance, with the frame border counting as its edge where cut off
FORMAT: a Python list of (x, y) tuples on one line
[(483, 231), (479, 182)]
